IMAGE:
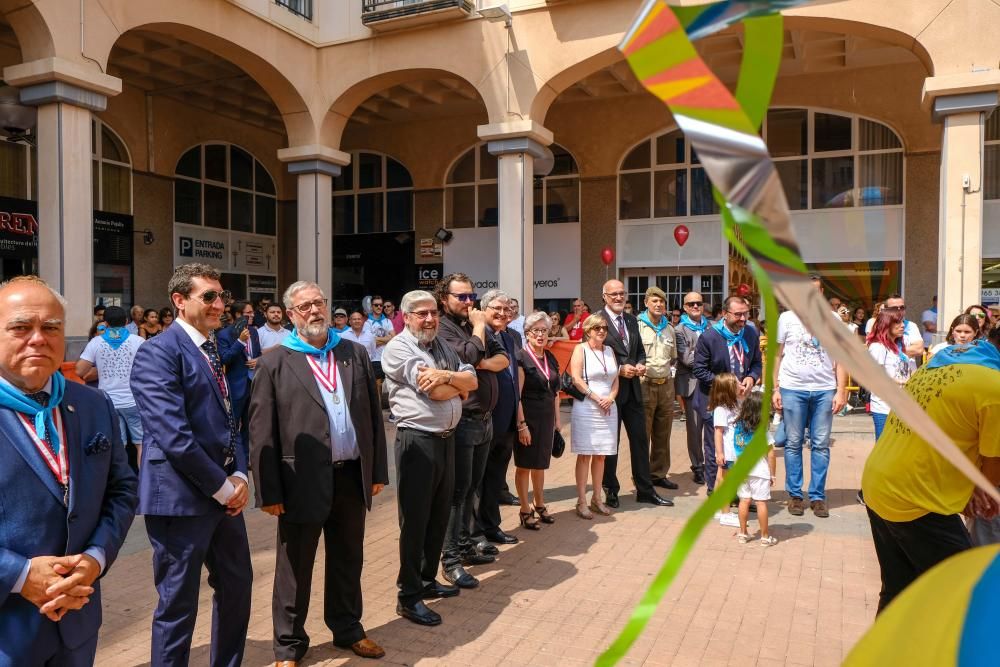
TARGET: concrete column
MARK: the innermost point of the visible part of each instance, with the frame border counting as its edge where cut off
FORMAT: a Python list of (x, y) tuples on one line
[(315, 167), (517, 145), (65, 93), (962, 102)]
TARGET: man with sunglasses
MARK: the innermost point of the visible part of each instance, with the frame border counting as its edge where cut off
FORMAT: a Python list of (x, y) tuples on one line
[(623, 338), (463, 329), (690, 327), (193, 479), (913, 341), (381, 328)]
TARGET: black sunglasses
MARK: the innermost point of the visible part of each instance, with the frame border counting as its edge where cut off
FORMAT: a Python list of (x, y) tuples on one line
[(469, 297), (693, 303)]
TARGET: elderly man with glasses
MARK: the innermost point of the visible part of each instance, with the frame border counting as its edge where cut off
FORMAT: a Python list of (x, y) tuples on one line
[(427, 383)]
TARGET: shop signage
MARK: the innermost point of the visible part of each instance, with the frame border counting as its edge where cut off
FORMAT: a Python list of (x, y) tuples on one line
[(556, 259), (231, 252), (428, 275), (990, 296), (18, 228)]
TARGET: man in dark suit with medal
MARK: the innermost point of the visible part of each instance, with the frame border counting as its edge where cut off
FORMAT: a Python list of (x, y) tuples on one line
[(319, 453), (623, 337), (67, 493), (193, 479)]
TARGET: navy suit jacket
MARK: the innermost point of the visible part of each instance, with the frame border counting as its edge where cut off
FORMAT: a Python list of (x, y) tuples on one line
[(185, 429), (34, 521), (711, 357), (508, 391), (234, 356)]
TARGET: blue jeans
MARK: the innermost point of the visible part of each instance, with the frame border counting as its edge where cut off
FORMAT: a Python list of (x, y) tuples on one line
[(130, 424), (812, 409), (879, 420)]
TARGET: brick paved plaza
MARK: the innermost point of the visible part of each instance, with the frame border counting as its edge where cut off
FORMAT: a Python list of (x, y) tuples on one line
[(562, 594)]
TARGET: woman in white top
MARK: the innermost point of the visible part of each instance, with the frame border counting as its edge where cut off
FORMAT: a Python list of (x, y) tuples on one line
[(964, 329), (885, 344), (594, 419)]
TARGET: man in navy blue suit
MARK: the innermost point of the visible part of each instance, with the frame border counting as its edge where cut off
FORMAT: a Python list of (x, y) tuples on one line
[(239, 349), (728, 346), (193, 480), (67, 493)]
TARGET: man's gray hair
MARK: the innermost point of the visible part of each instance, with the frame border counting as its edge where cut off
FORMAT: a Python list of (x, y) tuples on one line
[(297, 287), (35, 280), (412, 298), (494, 295), (536, 317), (182, 282)]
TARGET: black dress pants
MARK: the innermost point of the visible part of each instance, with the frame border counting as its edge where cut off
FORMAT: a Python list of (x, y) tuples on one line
[(425, 482), (488, 515), (473, 438), (907, 549), (632, 414), (343, 538)]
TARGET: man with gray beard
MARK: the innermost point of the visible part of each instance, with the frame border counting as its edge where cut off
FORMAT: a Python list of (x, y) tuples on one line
[(427, 384)]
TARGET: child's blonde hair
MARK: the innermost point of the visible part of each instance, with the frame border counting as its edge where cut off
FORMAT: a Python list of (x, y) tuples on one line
[(725, 392)]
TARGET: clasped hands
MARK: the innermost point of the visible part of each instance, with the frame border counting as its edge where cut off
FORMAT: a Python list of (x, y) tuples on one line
[(631, 371), (60, 584)]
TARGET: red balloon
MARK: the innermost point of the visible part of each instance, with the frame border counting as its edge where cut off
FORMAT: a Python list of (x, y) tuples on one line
[(607, 256), (681, 234), (743, 289)]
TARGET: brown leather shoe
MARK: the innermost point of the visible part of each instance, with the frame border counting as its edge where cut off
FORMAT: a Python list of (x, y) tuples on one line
[(819, 508), (285, 663), (366, 648), (796, 507)]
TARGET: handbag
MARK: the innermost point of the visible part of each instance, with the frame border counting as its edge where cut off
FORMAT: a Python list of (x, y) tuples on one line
[(558, 444), (567, 386)]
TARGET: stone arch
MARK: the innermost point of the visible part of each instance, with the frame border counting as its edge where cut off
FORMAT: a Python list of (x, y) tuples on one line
[(31, 28), (340, 111)]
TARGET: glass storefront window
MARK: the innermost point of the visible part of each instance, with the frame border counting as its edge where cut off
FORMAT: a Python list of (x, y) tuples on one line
[(633, 196), (787, 131), (381, 193)]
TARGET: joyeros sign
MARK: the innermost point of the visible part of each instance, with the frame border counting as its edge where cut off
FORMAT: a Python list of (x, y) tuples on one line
[(556, 259)]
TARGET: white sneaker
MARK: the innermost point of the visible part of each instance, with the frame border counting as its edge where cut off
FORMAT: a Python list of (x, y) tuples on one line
[(730, 519)]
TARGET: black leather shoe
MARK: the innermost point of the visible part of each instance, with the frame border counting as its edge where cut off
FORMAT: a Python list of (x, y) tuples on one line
[(438, 590), (611, 498), (419, 613), (500, 537), (473, 558), (509, 499), (665, 484), (458, 576), (653, 499), (699, 477), (486, 548)]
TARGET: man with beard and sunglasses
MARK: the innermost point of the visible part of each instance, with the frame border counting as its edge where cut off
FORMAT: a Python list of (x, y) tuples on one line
[(463, 328), (427, 383), (193, 479)]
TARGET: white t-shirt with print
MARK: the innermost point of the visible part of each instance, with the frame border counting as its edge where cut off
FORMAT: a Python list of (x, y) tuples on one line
[(805, 365), (114, 367), (911, 332), (895, 368), (378, 330), (724, 417)]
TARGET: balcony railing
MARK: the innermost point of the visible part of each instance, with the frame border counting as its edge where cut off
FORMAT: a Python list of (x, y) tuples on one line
[(396, 14), (303, 8)]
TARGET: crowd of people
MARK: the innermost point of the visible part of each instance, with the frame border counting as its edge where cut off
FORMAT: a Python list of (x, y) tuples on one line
[(214, 391)]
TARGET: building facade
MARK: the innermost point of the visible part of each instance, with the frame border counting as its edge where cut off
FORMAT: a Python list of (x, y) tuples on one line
[(372, 145)]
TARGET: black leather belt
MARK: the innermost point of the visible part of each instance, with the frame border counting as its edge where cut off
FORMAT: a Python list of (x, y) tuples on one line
[(341, 464), (440, 434)]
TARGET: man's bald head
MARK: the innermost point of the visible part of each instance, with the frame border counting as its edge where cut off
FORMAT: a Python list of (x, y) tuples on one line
[(613, 294), (32, 332)]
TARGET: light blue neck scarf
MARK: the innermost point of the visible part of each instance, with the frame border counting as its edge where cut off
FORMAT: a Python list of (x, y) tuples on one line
[(690, 324), (644, 317), (295, 343), (13, 398), (115, 336), (731, 338)]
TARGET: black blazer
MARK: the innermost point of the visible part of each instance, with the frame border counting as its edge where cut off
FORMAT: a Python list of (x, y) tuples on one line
[(290, 431), (633, 354)]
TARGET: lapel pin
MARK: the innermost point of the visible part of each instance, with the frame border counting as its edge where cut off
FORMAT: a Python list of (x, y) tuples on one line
[(70, 408)]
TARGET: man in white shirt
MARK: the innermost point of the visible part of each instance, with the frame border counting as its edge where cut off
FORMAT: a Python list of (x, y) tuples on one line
[(272, 333), (929, 319), (382, 330), (360, 334), (135, 314), (113, 353), (811, 387), (516, 322)]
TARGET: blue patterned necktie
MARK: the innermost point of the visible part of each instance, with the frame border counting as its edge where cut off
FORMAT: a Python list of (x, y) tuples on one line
[(42, 398), (220, 377)]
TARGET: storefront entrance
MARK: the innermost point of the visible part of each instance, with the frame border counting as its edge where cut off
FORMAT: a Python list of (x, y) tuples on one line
[(709, 282)]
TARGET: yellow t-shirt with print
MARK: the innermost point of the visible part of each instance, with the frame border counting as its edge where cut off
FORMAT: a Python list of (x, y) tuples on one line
[(904, 478)]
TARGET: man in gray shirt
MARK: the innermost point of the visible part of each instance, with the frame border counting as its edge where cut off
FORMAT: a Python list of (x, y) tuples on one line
[(427, 384)]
